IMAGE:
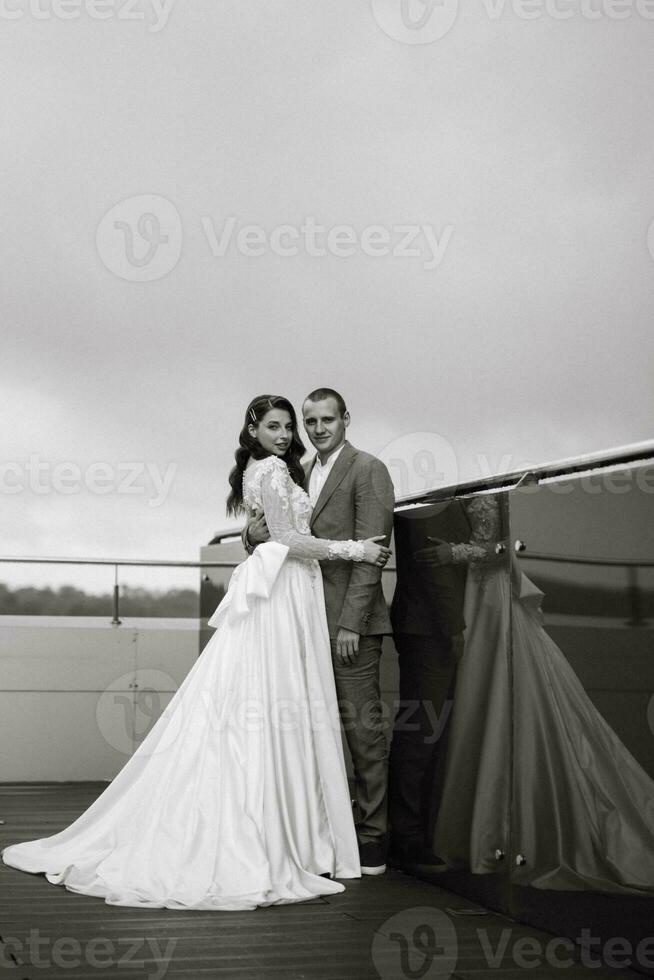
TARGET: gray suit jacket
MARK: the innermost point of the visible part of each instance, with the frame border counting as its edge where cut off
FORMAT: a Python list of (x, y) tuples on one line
[(356, 502)]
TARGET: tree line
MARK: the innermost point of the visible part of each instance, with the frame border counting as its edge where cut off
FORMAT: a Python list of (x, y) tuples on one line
[(70, 601)]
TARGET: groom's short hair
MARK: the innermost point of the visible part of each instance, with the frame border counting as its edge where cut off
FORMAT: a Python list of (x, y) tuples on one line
[(320, 394)]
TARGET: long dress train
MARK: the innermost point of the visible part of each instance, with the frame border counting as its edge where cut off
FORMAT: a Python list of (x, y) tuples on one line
[(582, 812), (238, 796)]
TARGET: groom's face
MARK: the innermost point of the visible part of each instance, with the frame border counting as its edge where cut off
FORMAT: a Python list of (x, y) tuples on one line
[(325, 425)]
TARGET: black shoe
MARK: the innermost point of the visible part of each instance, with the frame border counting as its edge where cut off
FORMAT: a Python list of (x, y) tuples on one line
[(373, 858), (414, 856)]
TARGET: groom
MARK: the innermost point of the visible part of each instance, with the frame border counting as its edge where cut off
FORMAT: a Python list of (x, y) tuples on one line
[(352, 497)]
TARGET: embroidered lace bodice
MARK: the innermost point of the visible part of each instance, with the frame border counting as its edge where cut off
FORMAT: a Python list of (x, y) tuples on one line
[(484, 516), (268, 488)]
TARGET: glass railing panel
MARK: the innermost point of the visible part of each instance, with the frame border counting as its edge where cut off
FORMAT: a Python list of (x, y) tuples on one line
[(87, 588), (583, 683), (450, 759)]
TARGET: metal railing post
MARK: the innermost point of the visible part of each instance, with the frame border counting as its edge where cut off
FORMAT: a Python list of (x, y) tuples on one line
[(116, 621)]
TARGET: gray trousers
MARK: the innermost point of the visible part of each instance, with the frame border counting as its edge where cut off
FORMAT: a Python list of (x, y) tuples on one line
[(357, 688)]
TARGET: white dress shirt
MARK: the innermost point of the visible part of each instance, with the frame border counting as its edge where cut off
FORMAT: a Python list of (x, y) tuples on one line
[(319, 474)]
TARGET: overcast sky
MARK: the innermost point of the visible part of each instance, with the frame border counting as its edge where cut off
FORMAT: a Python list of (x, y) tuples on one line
[(449, 223)]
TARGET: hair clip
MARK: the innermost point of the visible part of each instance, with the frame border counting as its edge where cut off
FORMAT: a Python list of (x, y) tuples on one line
[(253, 416)]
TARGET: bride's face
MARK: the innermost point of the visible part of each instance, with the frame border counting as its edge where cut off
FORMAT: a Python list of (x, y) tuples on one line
[(274, 432)]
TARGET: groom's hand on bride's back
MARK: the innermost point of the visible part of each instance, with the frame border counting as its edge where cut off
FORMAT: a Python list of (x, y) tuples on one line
[(257, 531)]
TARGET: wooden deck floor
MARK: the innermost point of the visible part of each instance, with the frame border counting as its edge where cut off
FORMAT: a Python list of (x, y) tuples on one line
[(46, 931)]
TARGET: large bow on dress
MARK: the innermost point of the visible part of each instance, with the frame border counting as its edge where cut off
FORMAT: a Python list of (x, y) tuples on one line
[(253, 578)]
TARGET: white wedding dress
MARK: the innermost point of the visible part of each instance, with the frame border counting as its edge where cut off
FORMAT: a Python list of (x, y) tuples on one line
[(238, 797)]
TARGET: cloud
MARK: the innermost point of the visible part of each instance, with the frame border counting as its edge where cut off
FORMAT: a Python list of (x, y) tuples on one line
[(532, 339)]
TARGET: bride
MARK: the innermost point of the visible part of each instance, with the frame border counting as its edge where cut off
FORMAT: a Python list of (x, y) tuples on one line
[(238, 796)]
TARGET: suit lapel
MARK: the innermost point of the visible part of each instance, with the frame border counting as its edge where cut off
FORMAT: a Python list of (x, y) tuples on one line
[(336, 476), (308, 467)]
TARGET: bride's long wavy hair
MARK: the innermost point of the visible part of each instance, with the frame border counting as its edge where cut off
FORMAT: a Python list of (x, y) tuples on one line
[(250, 447)]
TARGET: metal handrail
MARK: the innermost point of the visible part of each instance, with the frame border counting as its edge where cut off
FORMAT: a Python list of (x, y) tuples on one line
[(631, 566), (638, 452), (581, 560), (119, 563), (123, 562)]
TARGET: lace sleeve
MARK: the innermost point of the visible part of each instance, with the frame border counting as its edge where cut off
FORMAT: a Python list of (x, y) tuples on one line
[(276, 490), (484, 516)]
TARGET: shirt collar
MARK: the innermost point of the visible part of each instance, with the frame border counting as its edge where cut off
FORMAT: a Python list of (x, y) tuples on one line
[(332, 459)]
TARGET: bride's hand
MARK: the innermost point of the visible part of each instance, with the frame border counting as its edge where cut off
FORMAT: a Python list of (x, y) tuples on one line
[(376, 554), (440, 553)]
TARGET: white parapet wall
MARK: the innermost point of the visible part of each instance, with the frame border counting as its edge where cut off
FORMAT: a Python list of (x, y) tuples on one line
[(77, 695)]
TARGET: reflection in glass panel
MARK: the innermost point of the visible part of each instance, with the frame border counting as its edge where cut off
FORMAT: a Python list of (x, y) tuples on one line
[(583, 675), (449, 772)]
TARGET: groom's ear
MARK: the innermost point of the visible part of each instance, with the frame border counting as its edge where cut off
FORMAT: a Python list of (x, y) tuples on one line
[(346, 419)]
